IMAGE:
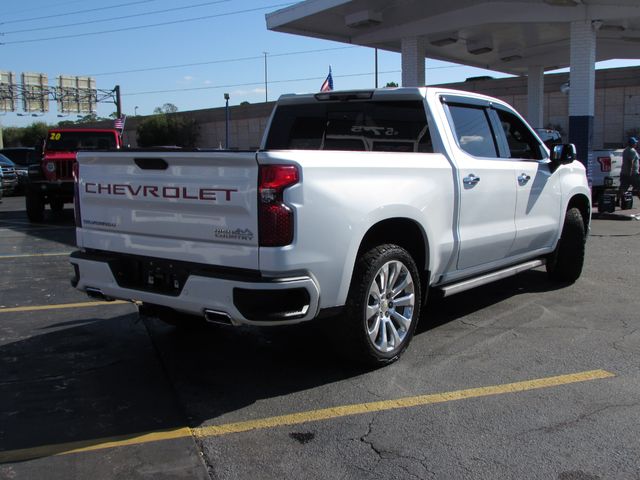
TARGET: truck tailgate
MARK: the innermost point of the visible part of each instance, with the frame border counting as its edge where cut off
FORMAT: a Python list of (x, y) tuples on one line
[(191, 206)]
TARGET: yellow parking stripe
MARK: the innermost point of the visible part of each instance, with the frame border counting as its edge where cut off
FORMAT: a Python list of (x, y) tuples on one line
[(35, 308), (421, 400), (301, 417), (28, 255)]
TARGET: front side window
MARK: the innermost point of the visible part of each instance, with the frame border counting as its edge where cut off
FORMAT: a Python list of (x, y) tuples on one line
[(522, 143), (357, 126), (472, 129)]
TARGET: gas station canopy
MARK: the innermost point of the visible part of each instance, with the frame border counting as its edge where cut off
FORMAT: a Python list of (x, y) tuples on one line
[(506, 36)]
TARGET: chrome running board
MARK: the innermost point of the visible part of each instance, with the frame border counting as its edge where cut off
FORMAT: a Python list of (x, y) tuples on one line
[(470, 283)]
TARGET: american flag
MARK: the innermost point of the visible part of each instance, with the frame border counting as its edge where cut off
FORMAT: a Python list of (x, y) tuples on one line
[(118, 123), (327, 85)]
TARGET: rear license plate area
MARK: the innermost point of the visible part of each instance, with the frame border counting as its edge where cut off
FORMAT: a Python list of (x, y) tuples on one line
[(157, 276)]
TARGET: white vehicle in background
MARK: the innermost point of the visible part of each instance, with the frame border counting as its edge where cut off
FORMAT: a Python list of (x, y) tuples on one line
[(357, 204), (605, 171)]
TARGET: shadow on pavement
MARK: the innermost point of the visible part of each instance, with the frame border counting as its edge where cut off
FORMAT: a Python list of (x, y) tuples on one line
[(90, 379), (443, 310), (57, 227)]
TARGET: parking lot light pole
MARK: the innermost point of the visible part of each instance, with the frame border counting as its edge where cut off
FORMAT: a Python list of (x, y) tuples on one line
[(226, 108)]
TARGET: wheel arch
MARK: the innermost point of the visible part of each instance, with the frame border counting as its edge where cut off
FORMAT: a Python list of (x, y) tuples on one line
[(406, 233), (582, 203)]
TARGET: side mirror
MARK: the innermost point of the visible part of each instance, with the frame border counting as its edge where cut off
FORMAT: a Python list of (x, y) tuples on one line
[(563, 154)]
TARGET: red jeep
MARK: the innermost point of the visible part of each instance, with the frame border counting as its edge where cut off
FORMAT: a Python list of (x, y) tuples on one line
[(52, 180)]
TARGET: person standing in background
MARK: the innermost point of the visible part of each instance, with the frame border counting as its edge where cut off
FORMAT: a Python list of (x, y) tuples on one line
[(629, 174)]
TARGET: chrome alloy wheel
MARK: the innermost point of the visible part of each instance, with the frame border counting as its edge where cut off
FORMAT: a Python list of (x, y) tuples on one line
[(390, 306)]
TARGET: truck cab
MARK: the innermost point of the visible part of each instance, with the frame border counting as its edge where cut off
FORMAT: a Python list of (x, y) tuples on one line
[(51, 181)]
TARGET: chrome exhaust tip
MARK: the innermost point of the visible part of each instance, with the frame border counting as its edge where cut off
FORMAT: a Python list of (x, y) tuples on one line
[(217, 317), (97, 293)]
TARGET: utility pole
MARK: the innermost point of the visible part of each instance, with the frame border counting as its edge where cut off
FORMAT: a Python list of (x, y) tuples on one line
[(118, 101), (376, 61), (226, 140), (266, 96)]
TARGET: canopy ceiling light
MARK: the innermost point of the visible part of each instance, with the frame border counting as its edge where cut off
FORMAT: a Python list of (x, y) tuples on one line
[(563, 3), (479, 46), (363, 19), (444, 41), (613, 27), (511, 58)]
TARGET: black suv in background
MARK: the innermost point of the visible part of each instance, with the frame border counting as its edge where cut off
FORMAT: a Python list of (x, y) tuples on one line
[(9, 176), (22, 157)]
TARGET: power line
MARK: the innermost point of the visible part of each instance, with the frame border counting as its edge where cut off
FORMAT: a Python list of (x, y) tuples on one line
[(211, 62), (174, 22), (241, 59), (40, 8), (77, 12), (117, 18), (261, 82)]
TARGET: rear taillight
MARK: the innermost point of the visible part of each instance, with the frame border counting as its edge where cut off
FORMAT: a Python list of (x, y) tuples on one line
[(605, 164), (76, 194), (275, 218)]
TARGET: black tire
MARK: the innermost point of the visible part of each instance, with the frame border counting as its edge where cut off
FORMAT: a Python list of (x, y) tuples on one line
[(57, 205), (35, 207), (566, 261), (360, 301)]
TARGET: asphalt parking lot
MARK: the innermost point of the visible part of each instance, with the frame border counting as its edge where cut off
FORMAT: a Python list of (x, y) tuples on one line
[(519, 379)]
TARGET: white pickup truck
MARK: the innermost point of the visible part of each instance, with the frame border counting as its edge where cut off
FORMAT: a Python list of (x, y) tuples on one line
[(356, 205)]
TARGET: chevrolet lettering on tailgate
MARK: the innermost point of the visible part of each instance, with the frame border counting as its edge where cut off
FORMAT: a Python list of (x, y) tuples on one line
[(188, 193)]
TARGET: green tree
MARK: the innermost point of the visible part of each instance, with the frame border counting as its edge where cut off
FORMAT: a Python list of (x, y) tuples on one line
[(166, 108), (391, 85), (29, 136), (12, 136), (34, 134), (158, 130)]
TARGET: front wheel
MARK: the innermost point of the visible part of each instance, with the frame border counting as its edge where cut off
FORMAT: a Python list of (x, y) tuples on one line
[(35, 207), (383, 306), (566, 261), (57, 205)]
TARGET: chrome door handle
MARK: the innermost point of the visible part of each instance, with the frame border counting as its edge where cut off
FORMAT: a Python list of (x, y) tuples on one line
[(523, 178), (471, 180)]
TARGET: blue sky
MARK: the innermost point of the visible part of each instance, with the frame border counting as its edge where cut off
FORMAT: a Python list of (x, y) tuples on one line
[(190, 63)]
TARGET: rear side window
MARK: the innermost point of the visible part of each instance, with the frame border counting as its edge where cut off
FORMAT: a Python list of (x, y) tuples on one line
[(473, 131), (357, 126)]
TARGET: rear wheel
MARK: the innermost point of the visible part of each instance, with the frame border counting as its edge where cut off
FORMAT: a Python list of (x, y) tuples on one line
[(35, 206), (57, 205), (566, 261), (383, 306)]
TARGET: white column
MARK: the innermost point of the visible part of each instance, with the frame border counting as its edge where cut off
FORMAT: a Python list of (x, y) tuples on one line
[(413, 70), (582, 89), (582, 76), (535, 96)]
